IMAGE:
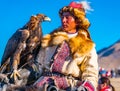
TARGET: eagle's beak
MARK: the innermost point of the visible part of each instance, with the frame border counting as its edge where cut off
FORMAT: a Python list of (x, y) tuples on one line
[(47, 19), (33, 16)]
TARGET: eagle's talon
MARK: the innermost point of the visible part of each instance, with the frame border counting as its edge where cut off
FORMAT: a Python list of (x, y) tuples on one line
[(15, 74), (4, 78)]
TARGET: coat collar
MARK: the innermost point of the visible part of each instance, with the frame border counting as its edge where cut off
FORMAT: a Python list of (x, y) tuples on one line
[(78, 43)]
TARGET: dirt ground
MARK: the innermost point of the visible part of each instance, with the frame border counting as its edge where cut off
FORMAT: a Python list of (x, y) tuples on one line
[(116, 83)]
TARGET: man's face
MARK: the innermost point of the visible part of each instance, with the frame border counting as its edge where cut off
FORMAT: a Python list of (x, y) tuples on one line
[(68, 22)]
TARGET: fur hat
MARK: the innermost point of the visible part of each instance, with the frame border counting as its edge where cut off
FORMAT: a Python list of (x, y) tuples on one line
[(78, 11)]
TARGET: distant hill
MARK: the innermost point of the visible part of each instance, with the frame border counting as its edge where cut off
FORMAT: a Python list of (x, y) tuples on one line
[(110, 57)]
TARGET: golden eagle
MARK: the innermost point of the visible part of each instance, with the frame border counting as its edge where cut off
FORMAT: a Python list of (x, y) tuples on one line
[(22, 45)]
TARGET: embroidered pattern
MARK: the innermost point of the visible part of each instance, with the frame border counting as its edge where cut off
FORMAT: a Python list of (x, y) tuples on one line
[(61, 82), (59, 59), (62, 53), (43, 81)]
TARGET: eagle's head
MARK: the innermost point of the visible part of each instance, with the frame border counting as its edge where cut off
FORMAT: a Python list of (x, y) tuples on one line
[(35, 20), (43, 17), (40, 18)]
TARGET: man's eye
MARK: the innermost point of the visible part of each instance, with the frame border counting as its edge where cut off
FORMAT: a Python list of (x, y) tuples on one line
[(69, 17)]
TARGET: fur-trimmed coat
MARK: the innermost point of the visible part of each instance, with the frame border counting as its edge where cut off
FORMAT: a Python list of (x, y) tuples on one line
[(84, 64)]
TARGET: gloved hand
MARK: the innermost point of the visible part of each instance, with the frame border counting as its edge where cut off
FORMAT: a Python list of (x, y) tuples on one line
[(52, 88), (81, 88), (85, 86)]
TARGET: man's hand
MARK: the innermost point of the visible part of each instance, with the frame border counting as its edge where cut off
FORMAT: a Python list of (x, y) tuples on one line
[(81, 88)]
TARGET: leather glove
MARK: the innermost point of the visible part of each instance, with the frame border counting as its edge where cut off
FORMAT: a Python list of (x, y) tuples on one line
[(81, 88), (85, 86), (52, 88)]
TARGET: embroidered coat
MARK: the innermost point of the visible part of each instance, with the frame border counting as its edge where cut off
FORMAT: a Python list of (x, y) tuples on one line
[(84, 57)]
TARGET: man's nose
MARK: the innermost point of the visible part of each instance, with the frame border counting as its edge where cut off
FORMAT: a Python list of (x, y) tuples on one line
[(64, 19)]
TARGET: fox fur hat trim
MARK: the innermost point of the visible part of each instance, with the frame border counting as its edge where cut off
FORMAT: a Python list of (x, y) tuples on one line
[(79, 45)]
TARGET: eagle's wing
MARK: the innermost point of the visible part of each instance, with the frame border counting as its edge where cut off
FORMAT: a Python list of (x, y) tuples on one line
[(11, 46)]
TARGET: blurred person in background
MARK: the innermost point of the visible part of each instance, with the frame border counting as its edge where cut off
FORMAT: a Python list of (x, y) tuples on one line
[(105, 84)]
